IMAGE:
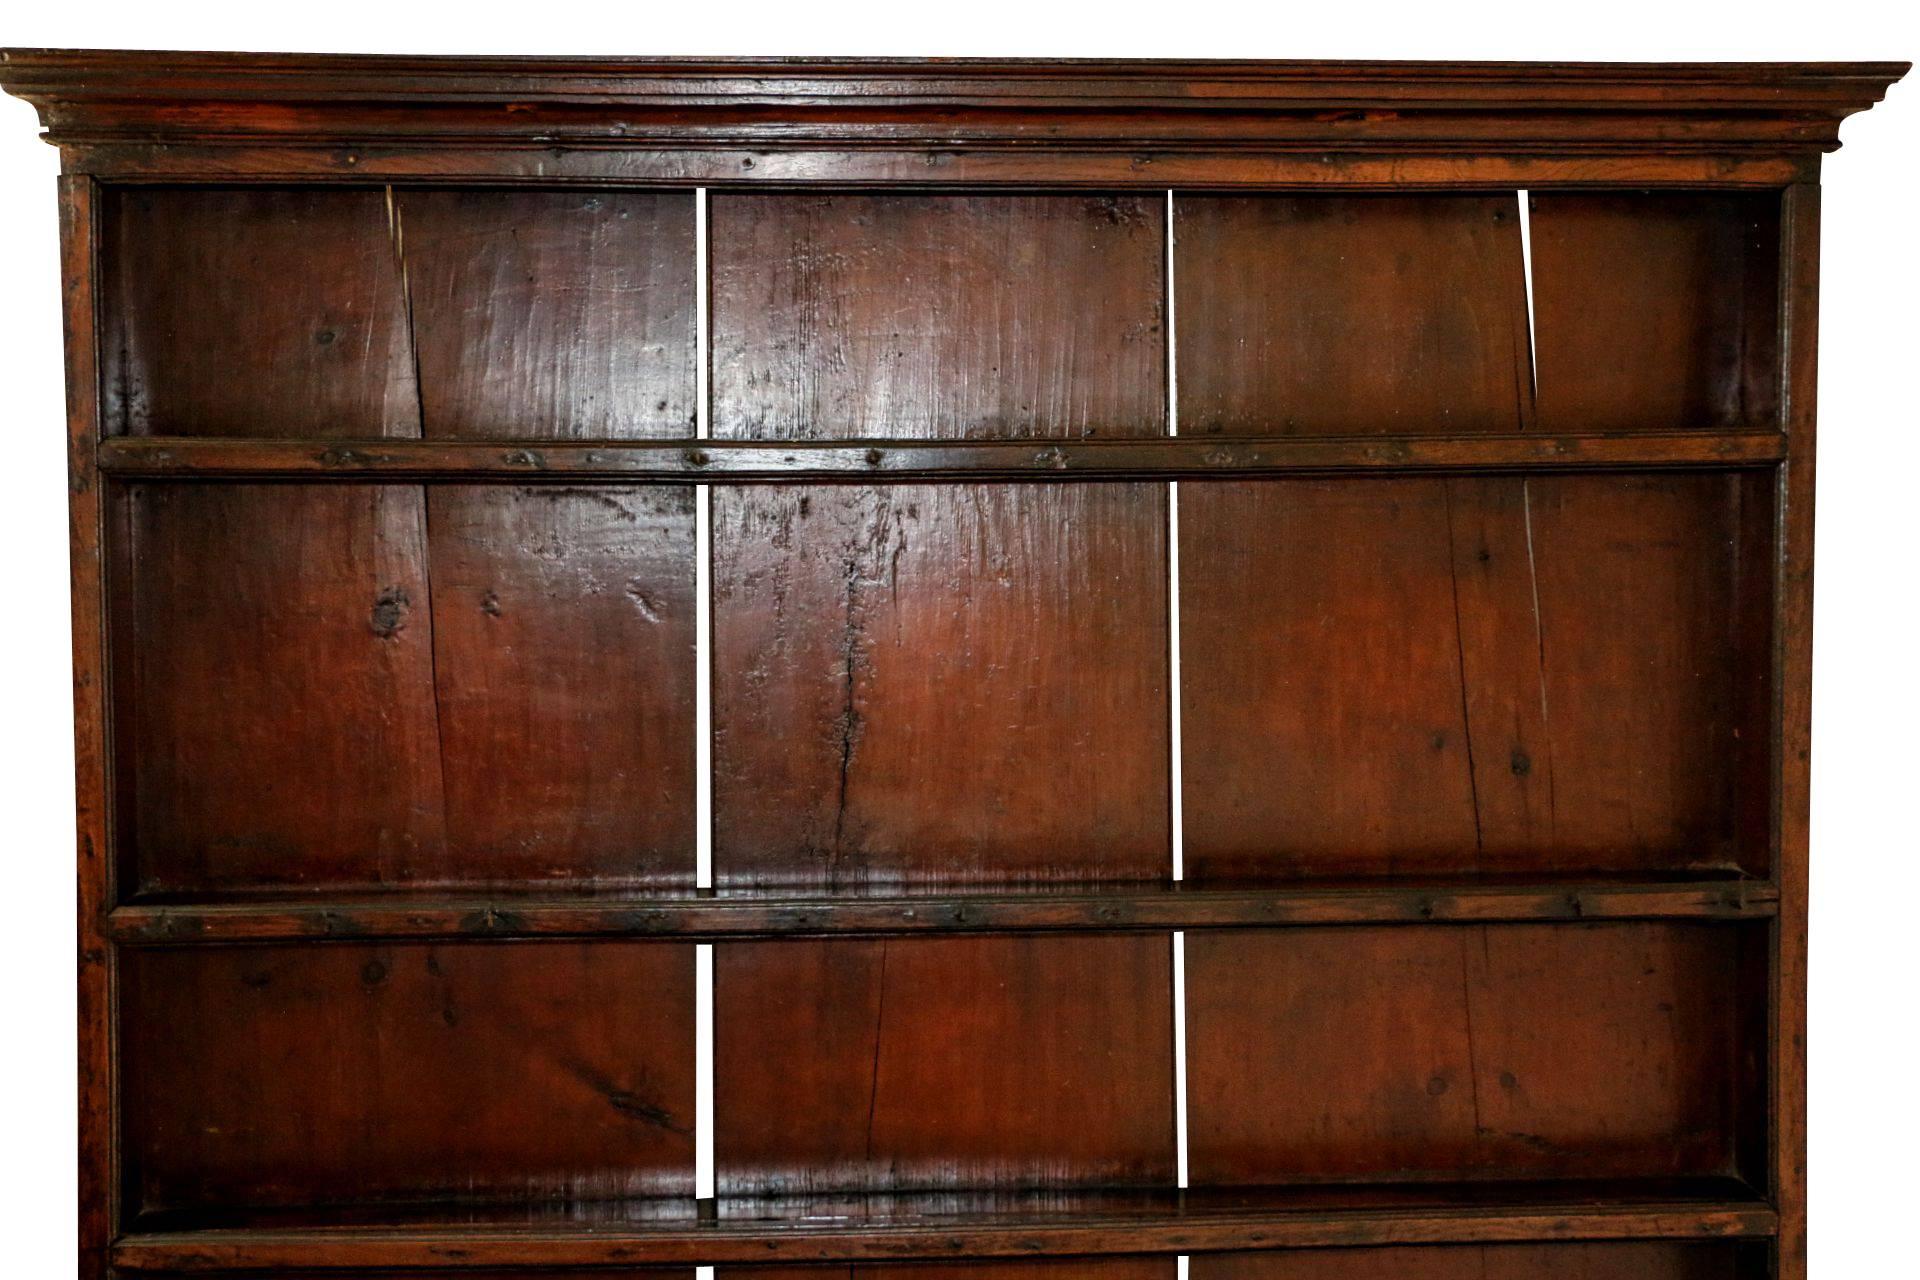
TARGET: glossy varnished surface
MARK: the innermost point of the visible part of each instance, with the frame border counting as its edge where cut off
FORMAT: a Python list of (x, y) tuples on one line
[(564, 671), (1450, 713), (395, 313), (1162, 1268), (388, 686), (1656, 310), (1496, 1051), (357, 1074), (945, 684), (939, 684), (1653, 1261), (551, 315), (956, 684), (951, 1063), (937, 316), (1349, 315), (1476, 674), (891, 1229), (254, 311), (276, 720)]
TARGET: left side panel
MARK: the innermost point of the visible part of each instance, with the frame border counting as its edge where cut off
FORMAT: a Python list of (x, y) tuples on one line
[(345, 688), (98, 1167)]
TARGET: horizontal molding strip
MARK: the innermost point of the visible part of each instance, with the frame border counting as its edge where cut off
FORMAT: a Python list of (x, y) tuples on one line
[(733, 461), (772, 914), (1007, 166), (148, 98), (710, 1240)]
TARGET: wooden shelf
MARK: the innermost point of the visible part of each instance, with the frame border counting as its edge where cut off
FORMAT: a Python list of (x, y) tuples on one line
[(709, 914), (686, 1232), (733, 461)]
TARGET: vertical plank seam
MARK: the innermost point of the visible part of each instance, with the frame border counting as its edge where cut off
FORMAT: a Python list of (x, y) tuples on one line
[(1460, 659), (1540, 651)]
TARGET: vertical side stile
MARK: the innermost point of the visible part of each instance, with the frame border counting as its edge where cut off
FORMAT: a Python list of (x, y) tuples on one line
[(99, 1175), (703, 1164), (1793, 663), (1174, 782)]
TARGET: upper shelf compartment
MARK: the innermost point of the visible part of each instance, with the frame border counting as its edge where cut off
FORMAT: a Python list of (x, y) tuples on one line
[(445, 315), (1334, 315), (471, 316)]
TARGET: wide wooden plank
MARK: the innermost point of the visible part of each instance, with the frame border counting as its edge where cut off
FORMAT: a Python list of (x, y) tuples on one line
[(226, 307), (932, 316), (1626, 1261), (943, 1063), (1489, 1051), (1351, 314), (346, 688), (274, 708), (563, 641), (955, 684), (1654, 306), (267, 1076), (1514, 674), (551, 315), (948, 685)]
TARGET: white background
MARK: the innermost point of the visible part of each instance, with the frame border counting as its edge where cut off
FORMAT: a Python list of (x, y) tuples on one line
[(1866, 906)]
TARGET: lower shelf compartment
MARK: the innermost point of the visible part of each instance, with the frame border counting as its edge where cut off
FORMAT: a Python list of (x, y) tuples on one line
[(683, 1232)]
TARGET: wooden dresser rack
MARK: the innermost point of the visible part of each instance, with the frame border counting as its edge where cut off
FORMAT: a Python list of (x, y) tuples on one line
[(1322, 546)]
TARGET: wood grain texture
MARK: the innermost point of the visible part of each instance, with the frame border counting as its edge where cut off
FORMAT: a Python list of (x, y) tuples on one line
[(255, 311), (1141, 113), (276, 716), (899, 315), (1793, 752), (1160, 1268), (1491, 1051), (1065, 461), (89, 567), (562, 627), (448, 314), (1392, 676), (1629, 1261), (943, 1063), (778, 913), (394, 337), (551, 315), (490, 1273), (952, 1227), (1351, 314), (366, 1074), (1657, 311), (385, 687), (939, 684), (953, 684)]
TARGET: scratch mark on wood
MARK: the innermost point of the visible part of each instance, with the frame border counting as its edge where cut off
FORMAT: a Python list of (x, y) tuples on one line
[(1460, 655), (1540, 648), (397, 232), (1466, 1001), (433, 650), (625, 1101), (879, 1021)]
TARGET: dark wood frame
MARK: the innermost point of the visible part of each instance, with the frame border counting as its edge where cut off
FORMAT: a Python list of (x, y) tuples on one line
[(131, 118)]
